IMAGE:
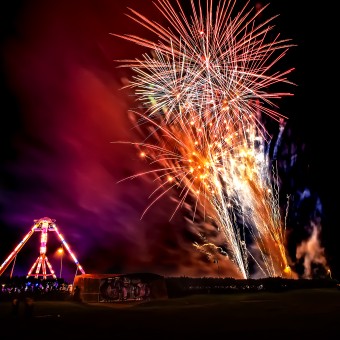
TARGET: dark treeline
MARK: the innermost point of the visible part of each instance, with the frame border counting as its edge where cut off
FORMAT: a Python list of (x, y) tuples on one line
[(181, 286), (38, 289)]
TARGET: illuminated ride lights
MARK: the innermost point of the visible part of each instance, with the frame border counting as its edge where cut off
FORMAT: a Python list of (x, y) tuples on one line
[(41, 265)]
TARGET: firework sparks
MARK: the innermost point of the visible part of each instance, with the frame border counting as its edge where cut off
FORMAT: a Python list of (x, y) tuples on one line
[(203, 88)]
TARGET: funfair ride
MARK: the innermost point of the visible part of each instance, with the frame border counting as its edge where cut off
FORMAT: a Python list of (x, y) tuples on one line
[(41, 268)]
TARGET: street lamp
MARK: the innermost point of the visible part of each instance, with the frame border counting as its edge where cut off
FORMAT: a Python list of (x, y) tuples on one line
[(61, 253), (329, 273)]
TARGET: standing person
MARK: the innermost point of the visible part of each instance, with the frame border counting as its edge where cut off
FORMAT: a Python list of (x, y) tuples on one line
[(76, 294), (29, 305), (15, 305)]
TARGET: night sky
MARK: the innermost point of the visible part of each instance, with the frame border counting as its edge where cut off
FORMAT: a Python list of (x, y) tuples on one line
[(63, 104)]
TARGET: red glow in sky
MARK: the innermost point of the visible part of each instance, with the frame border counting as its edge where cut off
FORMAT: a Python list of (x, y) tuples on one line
[(61, 72)]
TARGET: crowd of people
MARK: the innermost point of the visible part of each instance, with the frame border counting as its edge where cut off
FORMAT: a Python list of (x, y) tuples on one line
[(21, 288), (22, 292)]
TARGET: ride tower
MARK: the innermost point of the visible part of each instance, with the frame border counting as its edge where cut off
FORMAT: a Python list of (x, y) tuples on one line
[(41, 268)]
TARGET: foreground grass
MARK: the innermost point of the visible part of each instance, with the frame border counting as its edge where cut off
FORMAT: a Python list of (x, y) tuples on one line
[(295, 314)]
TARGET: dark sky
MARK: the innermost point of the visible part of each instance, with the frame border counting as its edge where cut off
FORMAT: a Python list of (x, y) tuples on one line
[(62, 106)]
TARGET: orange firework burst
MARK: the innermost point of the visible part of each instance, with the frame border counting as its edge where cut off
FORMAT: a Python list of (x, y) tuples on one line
[(204, 86)]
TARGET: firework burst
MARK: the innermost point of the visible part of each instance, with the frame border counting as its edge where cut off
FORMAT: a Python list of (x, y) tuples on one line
[(203, 88)]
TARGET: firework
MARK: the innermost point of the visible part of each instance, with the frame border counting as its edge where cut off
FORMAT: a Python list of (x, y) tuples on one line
[(203, 88)]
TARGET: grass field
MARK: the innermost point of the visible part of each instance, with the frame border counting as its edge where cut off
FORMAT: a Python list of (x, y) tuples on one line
[(294, 314)]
